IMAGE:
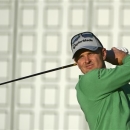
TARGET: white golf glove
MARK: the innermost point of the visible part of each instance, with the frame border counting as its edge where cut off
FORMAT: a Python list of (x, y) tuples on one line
[(123, 49)]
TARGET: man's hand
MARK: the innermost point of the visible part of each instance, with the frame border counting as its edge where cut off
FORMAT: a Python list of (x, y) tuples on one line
[(115, 56)]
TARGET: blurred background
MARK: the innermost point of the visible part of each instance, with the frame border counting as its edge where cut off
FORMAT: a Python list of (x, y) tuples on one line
[(35, 36)]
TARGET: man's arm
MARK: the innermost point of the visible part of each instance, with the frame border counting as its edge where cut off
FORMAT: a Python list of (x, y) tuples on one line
[(115, 56), (107, 80)]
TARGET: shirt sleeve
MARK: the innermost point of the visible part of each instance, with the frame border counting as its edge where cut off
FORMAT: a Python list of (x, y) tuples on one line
[(101, 82)]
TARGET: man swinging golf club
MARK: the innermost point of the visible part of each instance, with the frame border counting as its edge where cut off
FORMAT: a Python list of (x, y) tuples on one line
[(103, 94)]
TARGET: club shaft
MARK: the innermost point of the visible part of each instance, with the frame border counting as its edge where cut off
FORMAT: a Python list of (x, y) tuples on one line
[(63, 67)]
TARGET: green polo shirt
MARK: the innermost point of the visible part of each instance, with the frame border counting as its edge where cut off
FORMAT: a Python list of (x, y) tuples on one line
[(103, 95)]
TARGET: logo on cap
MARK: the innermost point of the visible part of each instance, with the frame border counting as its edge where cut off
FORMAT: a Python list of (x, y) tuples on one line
[(84, 40)]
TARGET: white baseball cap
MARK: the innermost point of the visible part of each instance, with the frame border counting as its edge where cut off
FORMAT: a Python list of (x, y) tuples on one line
[(85, 40)]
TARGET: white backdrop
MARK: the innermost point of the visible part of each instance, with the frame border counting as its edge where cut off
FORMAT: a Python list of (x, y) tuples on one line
[(35, 36)]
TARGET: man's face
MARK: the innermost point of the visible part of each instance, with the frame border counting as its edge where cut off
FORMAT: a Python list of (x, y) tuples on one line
[(89, 60)]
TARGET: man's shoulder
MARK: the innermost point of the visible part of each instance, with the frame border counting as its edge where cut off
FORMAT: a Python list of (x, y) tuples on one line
[(89, 78), (91, 74)]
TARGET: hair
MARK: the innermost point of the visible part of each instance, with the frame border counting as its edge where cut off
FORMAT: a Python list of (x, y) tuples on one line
[(77, 54)]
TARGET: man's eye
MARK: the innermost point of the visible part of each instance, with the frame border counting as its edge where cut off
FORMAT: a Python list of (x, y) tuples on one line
[(91, 53)]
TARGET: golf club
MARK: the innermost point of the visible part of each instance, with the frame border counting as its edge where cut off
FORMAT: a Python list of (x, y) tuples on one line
[(63, 67)]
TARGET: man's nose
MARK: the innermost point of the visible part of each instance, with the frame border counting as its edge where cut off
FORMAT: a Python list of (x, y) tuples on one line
[(87, 59)]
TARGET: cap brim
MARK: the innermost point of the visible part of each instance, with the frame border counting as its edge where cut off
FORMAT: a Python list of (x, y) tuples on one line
[(91, 48)]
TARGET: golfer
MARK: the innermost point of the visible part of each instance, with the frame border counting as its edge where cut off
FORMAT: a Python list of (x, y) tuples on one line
[(103, 94)]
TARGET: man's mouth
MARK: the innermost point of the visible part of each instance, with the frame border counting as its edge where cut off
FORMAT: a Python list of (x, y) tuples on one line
[(89, 66)]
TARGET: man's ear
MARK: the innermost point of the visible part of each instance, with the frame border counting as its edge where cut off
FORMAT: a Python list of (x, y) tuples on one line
[(104, 53)]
